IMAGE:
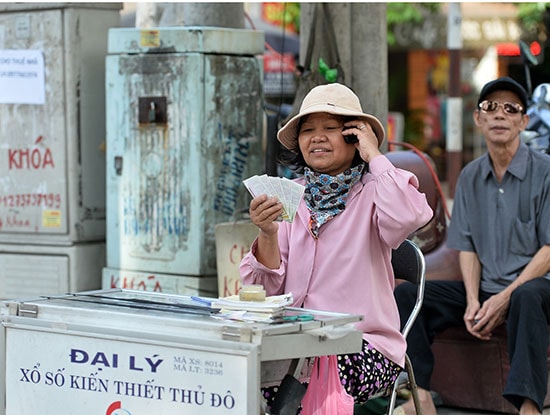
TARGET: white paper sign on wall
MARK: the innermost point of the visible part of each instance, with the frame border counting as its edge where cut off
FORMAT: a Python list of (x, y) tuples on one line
[(22, 77)]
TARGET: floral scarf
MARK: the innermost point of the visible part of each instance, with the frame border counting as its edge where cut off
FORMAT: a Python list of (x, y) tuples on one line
[(326, 195)]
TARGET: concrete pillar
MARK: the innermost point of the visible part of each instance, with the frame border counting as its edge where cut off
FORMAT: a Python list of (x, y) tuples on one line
[(360, 31), (454, 101), (214, 14), (369, 57), (190, 14)]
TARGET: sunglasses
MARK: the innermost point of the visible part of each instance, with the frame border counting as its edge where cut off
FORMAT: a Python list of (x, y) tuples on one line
[(508, 107)]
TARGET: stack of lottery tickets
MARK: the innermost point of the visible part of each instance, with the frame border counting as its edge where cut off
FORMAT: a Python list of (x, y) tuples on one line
[(287, 191), (267, 311)]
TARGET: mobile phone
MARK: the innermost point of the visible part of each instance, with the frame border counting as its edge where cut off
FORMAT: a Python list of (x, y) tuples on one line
[(350, 138)]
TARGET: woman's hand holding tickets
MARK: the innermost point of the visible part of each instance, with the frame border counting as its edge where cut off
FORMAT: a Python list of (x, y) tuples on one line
[(264, 212)]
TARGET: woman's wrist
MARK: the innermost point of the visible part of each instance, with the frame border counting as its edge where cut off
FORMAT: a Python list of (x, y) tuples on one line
[(268, 235)]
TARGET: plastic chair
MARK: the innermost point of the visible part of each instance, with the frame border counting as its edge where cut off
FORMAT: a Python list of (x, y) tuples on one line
[(408, 264)]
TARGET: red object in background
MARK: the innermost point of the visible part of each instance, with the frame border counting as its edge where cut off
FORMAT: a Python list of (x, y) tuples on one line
[(391, 128), (512, 49), (279, 73), (276, 62), (273, 13)]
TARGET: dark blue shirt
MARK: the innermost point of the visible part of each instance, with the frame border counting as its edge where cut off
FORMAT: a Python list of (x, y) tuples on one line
[(504, 223)]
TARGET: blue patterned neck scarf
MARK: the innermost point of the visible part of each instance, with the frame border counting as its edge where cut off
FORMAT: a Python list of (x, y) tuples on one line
[(326, 195)]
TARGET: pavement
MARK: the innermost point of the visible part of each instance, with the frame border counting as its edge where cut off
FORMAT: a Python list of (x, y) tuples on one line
[(447, 410), (459, 411)]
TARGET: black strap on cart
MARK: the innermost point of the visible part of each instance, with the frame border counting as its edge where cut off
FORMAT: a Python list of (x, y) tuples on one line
[(140, 303)]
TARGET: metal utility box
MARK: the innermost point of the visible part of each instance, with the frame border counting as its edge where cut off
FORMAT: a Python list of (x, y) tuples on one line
[(27, 271), (158, 282), (52, 118), (129, 352), (184, 127), (233, 241)]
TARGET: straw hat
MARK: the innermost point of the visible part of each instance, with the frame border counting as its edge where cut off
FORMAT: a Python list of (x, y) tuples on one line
[(332, 98)]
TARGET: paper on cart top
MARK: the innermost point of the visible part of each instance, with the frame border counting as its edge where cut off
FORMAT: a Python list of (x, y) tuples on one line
[(271, 304)]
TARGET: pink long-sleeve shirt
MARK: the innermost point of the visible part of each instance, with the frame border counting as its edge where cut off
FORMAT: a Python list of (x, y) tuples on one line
[(347, 268)]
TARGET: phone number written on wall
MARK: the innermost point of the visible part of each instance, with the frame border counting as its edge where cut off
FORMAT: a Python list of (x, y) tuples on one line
[(49, 200)]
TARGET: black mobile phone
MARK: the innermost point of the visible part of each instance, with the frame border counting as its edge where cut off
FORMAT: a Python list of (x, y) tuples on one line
[(350, 138)]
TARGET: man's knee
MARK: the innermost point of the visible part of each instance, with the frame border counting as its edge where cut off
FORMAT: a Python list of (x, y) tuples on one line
[(529, 303), (527, 294)]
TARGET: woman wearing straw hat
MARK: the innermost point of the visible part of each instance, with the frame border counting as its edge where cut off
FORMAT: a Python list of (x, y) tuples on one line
[(336, 254)]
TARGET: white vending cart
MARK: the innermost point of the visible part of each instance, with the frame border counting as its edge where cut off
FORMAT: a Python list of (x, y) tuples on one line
[(139, 353), (184, 129)]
